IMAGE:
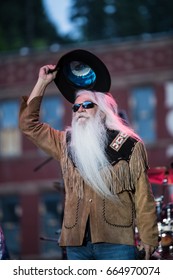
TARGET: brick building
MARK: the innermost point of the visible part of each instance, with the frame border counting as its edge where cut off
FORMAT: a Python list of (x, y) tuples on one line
[(31, 187)]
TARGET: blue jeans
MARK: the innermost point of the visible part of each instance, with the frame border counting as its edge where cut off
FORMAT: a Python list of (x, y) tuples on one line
[(101, 251)]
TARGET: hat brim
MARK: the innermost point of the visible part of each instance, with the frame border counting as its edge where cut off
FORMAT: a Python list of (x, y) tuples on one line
[(67, 88)]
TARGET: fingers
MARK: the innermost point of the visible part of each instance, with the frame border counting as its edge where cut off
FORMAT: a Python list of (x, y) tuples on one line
[(48, 69), (52, 68), (147, 255), (149, 250), (146, 251), (48, 72)]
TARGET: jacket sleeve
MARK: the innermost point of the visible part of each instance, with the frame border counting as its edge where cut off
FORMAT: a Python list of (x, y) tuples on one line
[(146, 217), (41, 134)]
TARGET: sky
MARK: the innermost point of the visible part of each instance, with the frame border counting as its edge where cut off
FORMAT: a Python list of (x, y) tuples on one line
[(57, 11)]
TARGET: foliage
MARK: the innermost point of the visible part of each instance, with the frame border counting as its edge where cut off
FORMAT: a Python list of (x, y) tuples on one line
[(24, 23), (120, 18)]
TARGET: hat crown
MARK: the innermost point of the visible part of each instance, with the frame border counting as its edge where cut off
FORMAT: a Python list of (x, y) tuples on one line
[(79, 73)]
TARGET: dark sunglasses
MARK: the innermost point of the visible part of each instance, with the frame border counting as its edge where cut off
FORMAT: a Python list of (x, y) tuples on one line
[(85, 105)]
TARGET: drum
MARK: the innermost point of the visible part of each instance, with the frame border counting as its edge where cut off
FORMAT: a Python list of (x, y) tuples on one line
[(166, 239)]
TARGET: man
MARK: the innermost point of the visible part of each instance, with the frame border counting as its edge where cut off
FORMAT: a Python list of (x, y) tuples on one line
[(104, 167)]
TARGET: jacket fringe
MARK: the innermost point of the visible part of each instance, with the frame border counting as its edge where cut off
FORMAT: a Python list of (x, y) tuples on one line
[(124, 175), (73, 182), (121, 178), (138, 162)]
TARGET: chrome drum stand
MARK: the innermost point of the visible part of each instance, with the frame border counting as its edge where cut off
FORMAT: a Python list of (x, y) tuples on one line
[(165, 226)]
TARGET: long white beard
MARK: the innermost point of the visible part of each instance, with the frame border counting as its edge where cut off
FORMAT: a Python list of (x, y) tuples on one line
[(88, 141)]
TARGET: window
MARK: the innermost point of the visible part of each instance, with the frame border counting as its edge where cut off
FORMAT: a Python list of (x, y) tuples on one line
[(143, 110), (10, 213), (169, 115), (51, 211), (52, 111), (10, 137), (169, 106)]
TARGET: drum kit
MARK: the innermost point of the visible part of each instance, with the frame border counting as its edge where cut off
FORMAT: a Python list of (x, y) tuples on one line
[(162, 177)]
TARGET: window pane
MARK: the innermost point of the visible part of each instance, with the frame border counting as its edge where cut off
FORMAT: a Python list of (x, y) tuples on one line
[(51, 210), (52, 111), (143, 112), (10, 140), (10, 221), (10, 137), (9, 114)]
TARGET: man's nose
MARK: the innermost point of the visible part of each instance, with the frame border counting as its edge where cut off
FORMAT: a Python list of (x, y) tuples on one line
[(81, 109)]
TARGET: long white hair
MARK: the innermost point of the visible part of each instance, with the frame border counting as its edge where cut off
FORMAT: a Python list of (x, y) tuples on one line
[(89, 140)]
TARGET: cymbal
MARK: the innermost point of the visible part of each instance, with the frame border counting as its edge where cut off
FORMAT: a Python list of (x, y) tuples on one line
[(160, 175)]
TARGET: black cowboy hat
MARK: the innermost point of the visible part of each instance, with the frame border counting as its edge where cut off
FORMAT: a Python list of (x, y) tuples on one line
[(80, 69)]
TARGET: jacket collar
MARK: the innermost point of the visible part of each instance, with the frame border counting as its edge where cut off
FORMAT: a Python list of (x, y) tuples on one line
[(119, 147)]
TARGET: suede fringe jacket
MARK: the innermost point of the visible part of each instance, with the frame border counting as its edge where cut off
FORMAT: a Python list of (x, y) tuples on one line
[(109, 220)]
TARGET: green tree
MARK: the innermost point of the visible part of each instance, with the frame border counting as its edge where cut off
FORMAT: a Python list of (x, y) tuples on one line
[(102, 19), (143, 16), (25, 23), (93, 19)]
